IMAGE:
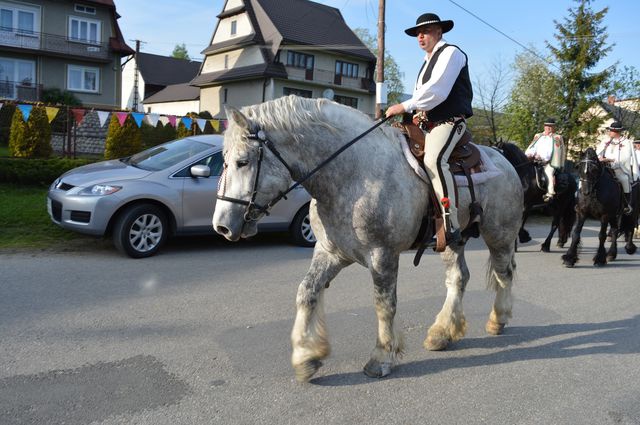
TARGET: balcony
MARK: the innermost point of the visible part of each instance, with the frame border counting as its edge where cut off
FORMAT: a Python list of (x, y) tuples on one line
[(56, 45), (21, 91)]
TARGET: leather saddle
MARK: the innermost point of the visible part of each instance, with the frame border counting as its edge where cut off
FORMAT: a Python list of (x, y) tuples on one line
[(464, 155)]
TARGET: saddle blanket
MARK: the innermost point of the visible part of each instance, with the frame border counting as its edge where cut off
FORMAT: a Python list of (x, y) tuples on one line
[(487, 167)]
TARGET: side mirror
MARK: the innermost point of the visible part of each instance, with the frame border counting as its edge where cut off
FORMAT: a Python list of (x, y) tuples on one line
[(200, 171)]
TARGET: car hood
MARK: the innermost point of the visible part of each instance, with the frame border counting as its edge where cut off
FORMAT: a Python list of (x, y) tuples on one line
[(102, 172)]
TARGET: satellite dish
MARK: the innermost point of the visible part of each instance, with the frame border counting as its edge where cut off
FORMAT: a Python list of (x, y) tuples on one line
[(328, 93)]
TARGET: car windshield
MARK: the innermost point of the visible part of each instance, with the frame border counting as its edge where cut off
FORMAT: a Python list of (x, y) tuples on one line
[(164, 156)]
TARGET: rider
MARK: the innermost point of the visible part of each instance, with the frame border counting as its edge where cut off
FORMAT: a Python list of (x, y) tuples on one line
[(548, 148), (618, 151), (442, 100)]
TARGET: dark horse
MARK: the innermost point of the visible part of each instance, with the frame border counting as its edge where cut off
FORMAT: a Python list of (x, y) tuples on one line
[(601, 197), (561, 207)]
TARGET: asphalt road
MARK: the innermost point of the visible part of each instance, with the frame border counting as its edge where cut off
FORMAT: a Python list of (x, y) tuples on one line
[(200, 335)]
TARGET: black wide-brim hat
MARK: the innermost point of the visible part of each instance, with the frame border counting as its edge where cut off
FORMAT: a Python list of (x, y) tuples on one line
[(550, 122), (615, 126), (429, 19)]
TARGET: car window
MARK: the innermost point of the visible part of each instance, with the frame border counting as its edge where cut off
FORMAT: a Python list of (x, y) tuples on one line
[(214, 162), (167, 155)]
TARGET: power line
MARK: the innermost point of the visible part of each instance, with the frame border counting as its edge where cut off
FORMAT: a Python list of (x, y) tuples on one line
[(507, 36)]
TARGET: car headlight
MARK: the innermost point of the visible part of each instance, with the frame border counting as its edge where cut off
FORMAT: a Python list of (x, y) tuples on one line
[(100, 190)]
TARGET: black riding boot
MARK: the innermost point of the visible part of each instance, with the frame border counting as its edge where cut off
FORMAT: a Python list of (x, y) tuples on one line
[(627, 201)]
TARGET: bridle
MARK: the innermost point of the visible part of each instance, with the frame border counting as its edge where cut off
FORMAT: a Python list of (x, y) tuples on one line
[(254, 211), (588, 165)]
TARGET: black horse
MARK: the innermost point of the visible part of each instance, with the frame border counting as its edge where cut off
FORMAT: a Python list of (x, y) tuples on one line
[(601, 197), (561, 207)]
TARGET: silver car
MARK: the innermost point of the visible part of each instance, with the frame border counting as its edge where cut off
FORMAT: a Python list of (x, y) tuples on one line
[(169, 189)]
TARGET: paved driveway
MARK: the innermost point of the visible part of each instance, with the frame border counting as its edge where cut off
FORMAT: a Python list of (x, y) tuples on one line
[(200, 335)]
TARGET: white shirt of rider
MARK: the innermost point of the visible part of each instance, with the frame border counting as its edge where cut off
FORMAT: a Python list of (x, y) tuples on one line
[(621, 152), (542, 148)]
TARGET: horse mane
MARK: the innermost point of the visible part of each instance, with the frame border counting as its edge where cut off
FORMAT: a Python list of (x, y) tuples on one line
[(517, 158)]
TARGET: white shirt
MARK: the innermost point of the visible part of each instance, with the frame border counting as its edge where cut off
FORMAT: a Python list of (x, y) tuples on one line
[(620, 150), (542, 148), (443, 76)]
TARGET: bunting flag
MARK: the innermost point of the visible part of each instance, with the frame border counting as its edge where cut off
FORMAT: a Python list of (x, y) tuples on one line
[(51, 112), (225, 123), (122, 117), (152, 119), (26, 111), (202, 123), (138, 116), (102, 117), (215, 124), (187, 122), (164, 120), (172, 120), (78, 114)]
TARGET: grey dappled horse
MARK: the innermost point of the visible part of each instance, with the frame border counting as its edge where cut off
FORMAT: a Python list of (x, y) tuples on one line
[(367, 208)]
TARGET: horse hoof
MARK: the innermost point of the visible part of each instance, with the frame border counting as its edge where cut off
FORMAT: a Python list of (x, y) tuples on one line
[(560, 244), (525, 239), (436, 343), (375, 369), (305, 371), (494, 328), (545, 248), (631, 250)]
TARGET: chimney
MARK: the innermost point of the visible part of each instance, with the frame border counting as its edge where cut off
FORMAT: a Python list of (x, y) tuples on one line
[(611, 100)]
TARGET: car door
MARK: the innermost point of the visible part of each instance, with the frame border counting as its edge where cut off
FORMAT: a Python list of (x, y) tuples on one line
[(199, 195)]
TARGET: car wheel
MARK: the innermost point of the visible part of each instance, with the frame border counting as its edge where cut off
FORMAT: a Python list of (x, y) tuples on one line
[(140, 230), (300, 230)]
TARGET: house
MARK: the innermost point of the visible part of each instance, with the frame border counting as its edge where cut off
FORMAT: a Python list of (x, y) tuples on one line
[(66, 45), (154, 73), (176, 99), (626, 111), (264, 49)]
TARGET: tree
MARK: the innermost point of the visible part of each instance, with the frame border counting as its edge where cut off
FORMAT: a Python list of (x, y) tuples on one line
[(392, 73), (492, 94), (122, 140), (33, 138), (533, 98), (581, 45), (180, 52), (625, 87)]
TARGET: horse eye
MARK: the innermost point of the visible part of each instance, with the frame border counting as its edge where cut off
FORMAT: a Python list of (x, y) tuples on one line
[(241, 163)]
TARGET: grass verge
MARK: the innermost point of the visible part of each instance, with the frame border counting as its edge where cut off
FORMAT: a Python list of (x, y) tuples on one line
[(25, 223)]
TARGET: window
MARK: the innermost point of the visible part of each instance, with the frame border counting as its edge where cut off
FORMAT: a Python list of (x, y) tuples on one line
[(347, 69), (21, 20), (214, 162), (226, 61), (84, 30), (15, 73), (225, 94), (85, 9), (82, 78), (298, 92), (346, 100), (299, 60), (234, 27)]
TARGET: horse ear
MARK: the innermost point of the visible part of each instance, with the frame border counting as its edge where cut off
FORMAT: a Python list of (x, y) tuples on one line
[(238, 117)]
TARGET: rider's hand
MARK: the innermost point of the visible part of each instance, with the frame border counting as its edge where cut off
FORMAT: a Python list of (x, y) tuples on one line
[(395, 110)]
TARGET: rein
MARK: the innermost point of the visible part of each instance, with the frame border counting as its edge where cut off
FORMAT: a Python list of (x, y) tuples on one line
[(261, 138)]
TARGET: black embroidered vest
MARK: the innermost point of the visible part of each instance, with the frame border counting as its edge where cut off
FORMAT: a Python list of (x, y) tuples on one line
[(458, 103)]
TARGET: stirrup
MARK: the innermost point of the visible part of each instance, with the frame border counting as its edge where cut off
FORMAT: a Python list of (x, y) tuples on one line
[(627, 210)]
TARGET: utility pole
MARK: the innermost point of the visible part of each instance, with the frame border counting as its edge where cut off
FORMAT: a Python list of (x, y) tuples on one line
[(381, 91), (134, 106)]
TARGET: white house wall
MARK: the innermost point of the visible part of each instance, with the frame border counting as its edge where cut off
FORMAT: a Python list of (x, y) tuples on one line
[(238, 95), (235, 59), (173, 108), (128, 76), (243, 28)]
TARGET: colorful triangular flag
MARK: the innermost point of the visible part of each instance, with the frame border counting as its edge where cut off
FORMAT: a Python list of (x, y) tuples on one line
[(152, 119), (102, 117), (216, 125), (187, 122), (137, 117), (225, 123), (172, 120), (51, 112), (26, 111), (164, 120), (78, 114), (202, 123), (122, 117)]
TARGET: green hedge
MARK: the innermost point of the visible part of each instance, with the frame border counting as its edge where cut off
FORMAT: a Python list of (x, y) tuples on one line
[(36, 171)]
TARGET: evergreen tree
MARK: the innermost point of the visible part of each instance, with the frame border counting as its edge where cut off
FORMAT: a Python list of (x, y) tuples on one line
[(582, 43), (122, 140), (180, 52), (33, 138)]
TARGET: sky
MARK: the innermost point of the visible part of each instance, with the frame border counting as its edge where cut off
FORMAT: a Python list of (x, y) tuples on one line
[(529, 23)]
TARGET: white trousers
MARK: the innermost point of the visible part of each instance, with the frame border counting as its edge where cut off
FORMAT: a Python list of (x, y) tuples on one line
[(548, 171), (438, 145)]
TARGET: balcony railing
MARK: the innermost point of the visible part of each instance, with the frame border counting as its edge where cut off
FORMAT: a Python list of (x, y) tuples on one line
[(53, 43), (20, 91)]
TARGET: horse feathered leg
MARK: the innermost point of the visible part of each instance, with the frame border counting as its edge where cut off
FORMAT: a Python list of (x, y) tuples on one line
[(571, 257), (612, 254), (600, 259), (450, 324), (500, 279), (309, 335), (390, 343)]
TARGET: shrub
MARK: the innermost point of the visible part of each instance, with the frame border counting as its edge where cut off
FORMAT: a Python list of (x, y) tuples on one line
[(36, 171), (6, 116), (33, 138), (153, 136), (122, 140), (56, 96)]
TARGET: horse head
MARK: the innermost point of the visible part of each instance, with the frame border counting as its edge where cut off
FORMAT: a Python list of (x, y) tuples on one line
[(590, 170), (252, 179)]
